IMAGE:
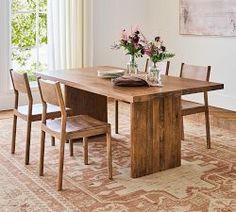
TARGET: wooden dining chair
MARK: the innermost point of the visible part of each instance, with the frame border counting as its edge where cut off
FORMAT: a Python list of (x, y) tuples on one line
[(189, 107), (117, 102), (68, 128), (29, 113)]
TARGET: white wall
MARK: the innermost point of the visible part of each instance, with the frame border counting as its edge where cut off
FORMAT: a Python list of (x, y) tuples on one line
[(110, 17), (162, 17)]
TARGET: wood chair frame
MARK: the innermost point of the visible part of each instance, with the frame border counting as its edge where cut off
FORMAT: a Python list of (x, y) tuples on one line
[(21, 86), (188, 107), (63, 130)]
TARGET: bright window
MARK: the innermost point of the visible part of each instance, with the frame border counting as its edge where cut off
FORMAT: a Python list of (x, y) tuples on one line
[(28, 23)]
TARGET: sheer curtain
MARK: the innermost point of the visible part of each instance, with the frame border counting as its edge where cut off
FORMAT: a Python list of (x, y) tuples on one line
[(67, 29)]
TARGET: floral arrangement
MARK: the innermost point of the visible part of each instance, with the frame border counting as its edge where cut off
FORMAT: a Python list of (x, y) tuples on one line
[(156, 51), (136, 45), (132, 42)]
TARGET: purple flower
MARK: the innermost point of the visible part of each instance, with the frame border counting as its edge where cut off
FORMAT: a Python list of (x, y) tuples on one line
[(163, 48), (142, 51), (157, 38), (135, 39), (124, 42), (132, 42)]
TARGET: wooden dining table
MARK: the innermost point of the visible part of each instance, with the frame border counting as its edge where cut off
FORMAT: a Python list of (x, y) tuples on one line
[(155, 112)]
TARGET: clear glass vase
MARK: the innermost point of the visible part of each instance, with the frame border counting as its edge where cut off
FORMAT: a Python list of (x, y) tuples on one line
[(132, 66), (154, 74)]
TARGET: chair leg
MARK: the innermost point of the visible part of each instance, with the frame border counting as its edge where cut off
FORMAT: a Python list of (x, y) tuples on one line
[(42, 150), (116, 116), (13, 142), (208, 136), (109, 153), (27, 149), (71, 147), (61, 164), (182, 128), (85, 145), (53, 141)]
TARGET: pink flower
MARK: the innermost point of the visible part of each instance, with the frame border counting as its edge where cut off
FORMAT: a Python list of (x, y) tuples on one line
[(148, 50), (135, 29), (124, 35), (144, 40), (132, 42)]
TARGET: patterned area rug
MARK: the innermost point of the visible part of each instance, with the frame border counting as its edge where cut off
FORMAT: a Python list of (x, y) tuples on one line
[(206, 181)]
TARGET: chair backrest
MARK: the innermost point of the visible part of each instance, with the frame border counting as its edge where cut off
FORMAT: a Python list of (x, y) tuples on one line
[(195, 72), (164, 66), (51, 93), (20, 84)]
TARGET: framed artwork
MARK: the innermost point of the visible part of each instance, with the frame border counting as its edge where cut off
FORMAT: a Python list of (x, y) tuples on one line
[(207, 17)]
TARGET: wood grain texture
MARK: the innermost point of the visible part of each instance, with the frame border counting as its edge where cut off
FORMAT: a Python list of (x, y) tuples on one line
[(147, 64), (68, 128), (155, 135), (87, 103), (53, 112), (188, 108), (171, 142), (191, 107), (155, 112), (86, 79), (195, 72), (221, 118), (30, 112)]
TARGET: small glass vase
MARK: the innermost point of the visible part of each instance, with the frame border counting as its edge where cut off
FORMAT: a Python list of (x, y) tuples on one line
[(154, 74), (132, 66)]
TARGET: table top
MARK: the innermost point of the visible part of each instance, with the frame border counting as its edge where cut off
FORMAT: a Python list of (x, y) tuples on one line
[(87, 79)]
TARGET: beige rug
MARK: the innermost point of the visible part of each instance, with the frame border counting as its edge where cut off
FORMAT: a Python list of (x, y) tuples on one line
[(206, 181)]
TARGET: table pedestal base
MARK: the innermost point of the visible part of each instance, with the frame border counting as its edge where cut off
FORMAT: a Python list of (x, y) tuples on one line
[(155, 135), (86, 103)]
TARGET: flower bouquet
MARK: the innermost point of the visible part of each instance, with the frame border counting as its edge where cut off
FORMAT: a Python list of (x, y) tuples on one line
[(157, 53), (133, 43), (136, 45)]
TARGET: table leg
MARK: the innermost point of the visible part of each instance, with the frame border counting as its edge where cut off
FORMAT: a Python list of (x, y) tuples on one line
[(155, 135)]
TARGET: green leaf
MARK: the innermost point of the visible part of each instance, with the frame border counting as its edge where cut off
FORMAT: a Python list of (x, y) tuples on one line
[(23, 5), (23, 30)]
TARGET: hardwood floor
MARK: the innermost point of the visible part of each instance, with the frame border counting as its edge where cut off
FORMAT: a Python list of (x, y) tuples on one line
[(221, 118)]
